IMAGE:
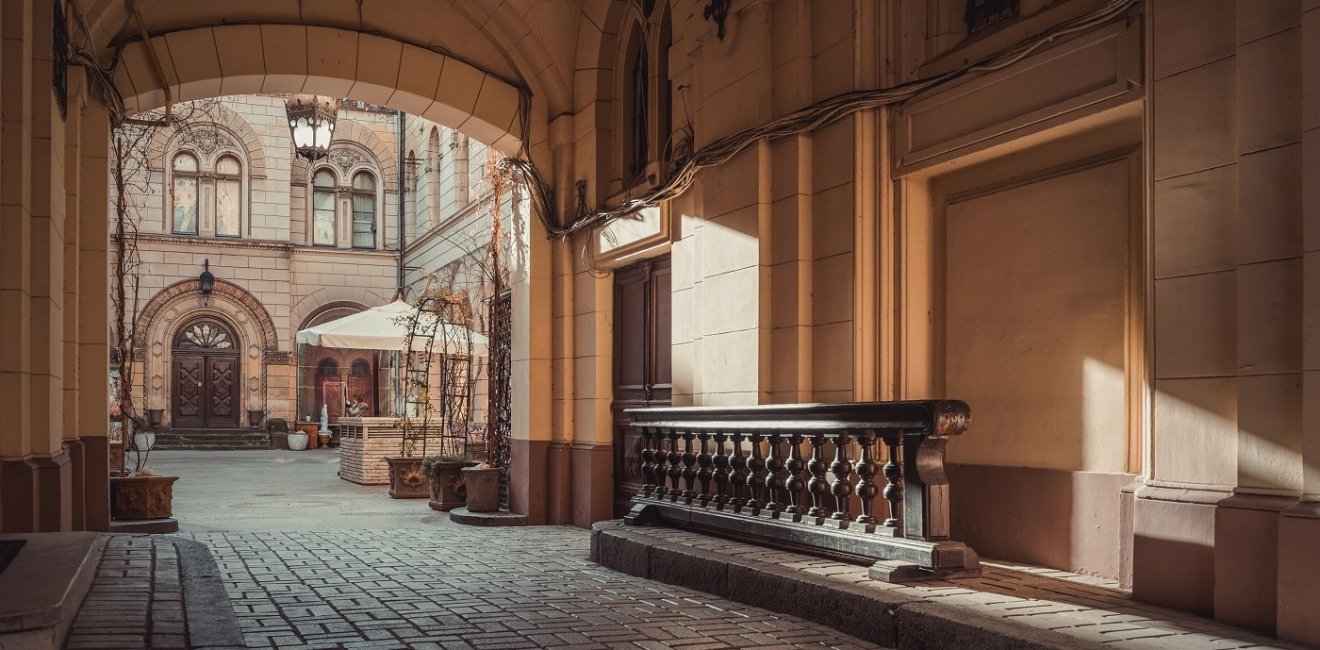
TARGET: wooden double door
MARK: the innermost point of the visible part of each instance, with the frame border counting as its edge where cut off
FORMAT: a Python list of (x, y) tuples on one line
[(642, 370), (205, 376)]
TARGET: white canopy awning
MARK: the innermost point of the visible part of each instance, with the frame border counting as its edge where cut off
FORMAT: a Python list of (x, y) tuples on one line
[(384, 328)]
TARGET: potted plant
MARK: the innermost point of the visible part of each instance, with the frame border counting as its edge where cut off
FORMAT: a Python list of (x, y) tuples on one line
[(483, 487), (447, 488)]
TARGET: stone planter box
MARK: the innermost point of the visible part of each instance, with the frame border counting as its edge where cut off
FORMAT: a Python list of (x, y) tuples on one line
[(365, 442), (483, 488), (407, 481), (141, 497), (448, 490)]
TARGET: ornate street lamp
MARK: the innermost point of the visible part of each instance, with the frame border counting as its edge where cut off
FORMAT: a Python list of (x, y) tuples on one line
[(311, 123)]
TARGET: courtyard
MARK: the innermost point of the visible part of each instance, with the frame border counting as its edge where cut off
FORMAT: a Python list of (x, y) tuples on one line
[(311, 561), (306, 560)]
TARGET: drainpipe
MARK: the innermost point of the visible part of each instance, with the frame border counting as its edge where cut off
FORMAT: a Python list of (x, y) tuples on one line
[(402, 174)]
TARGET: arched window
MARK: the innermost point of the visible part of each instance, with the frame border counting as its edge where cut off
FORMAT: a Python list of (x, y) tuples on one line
[(433, 185), (183, 194), (636, 101), (228, 198), (364, 210), (323, 208)]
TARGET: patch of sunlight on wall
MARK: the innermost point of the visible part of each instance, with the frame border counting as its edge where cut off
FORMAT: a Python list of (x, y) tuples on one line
[(1197, 440), (1104, 422)]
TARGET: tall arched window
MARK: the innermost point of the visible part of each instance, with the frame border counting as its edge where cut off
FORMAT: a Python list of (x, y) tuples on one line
[(364, 210), (228, 198), (323, 208), (183, 194), (636, 97), (433, 185)]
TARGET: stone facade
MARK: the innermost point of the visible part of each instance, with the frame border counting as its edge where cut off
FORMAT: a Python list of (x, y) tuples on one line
[(273, 276), (1105, 245)]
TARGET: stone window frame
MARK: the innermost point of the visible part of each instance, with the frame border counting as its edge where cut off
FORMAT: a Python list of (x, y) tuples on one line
[(333, 189), (243, 191), (655, 33), (206, 177), (173, 175), (354, 193)]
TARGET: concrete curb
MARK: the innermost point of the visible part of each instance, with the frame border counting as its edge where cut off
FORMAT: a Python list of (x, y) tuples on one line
[(212, 624), (890, 620)]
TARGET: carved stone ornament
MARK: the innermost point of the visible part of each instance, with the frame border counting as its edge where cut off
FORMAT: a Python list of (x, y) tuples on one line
[(204, 139), (346, 159)]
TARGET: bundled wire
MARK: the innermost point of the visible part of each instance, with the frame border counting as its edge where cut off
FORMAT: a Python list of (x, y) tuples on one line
[(802, 120)]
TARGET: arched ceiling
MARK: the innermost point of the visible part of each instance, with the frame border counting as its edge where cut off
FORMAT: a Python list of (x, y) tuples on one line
[(527, 43)]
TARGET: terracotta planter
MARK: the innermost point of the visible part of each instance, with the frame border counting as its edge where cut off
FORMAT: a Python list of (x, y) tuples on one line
[(407, 481), (448, 490), (483, 488), (141, 497)]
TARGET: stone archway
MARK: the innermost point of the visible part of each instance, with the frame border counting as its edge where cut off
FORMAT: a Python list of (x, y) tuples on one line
[(180, 304)]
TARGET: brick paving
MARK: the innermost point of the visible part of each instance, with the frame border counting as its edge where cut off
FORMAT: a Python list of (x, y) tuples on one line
[(440, 587)]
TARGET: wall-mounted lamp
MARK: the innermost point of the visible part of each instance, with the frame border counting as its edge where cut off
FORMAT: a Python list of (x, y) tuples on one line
[(207, 280)]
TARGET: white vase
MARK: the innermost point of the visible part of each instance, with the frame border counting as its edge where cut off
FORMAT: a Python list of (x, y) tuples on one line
[(297, 440), (144, 441)]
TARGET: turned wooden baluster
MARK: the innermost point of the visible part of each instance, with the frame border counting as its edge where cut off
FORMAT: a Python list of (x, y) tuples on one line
[(755, 474), (721, 476), (648, 458), (893, 492), (817, 486), (658, 460), (689, 467), (866, 471), (675, 470), (774, 480), (704, 473), (738, 477), (841, 487), (795, 482)]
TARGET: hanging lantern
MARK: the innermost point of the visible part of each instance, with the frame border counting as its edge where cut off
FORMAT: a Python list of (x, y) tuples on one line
[(311, 123)]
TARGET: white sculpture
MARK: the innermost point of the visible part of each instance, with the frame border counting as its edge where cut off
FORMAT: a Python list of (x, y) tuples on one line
[(325, 420)]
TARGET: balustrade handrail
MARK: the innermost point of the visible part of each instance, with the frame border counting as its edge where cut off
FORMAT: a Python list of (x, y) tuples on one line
[(762, 473), (931, 417)]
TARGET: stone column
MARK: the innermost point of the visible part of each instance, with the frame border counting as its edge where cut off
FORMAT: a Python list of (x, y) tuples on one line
[(1269, 326), (1191, 136), (1299, 527), (92, 305)]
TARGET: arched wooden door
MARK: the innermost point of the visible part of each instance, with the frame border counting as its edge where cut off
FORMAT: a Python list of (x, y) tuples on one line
[(205, 375)]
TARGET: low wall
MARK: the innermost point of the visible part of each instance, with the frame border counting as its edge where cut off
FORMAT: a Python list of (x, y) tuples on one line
[(365, 442)]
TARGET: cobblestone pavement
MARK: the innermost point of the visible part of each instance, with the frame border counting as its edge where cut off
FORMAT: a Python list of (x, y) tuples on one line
[(441, 587)]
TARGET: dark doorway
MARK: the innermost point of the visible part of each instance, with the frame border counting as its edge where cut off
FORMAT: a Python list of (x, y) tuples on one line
[(205, 377), (641, 362)]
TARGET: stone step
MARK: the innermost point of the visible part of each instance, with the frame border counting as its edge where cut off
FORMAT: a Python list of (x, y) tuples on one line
[(211, 439)]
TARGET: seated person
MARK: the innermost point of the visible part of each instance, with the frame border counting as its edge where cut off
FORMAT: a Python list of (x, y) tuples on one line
[(355, 407)]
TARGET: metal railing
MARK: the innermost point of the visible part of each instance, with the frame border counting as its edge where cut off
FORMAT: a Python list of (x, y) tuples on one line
[(859, 481)]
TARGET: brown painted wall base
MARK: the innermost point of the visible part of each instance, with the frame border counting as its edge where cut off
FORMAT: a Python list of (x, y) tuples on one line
[(78, 487), (1054, 518), (593, 483), (18, 497), (1173, 554), (527, 479), (559, 470), (1299, 575), (1247, 560), (96, 450), (36, 494)]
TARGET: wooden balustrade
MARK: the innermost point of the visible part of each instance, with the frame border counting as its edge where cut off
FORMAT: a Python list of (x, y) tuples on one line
[(807, 476)]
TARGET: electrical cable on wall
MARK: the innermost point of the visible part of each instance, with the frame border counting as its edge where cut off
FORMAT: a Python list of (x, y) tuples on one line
[(802, 120)]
